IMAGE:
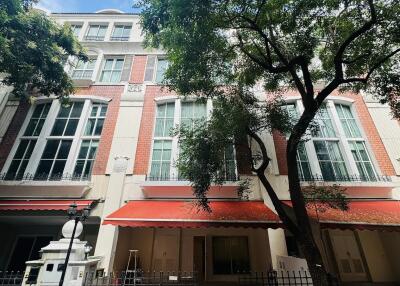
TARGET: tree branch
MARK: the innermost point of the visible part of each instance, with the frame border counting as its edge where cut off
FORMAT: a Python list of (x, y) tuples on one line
[(270, 190)]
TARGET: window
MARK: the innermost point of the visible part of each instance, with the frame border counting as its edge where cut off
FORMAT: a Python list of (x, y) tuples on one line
[(230, 255), (37, 120), (155, 69), (54, 158), (162, 65), (64, 149), (121, 33), (162, 145), (27, 143), (335, 146), (112, 70), (76, 29), (90, 142), (165, 144), (21, 159), (67, 120), (84, 70), (96, 33), (86, 156), (95, 122)]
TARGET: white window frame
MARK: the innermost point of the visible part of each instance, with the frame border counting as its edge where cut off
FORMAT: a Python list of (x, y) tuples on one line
[(174, 174), (96, 38), (341, 138), (74, 26), (84, 69), (121, 38), (154, 75), (44, 136), (112, 70)]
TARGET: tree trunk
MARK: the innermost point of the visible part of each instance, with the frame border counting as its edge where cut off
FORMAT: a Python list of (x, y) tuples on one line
[(306, 237)]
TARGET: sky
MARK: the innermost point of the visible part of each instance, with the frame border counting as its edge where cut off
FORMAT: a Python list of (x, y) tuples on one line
[(65, 6)]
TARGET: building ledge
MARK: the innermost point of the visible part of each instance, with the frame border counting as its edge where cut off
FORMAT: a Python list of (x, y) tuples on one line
[(183, 189), (82, 82), (44, 189)]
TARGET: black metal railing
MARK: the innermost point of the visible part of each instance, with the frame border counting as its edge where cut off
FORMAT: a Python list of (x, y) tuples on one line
[(121, 39), (229, 178), (281, 278), (140, 278), (347, 178), (11, 277), (94, 38), (43, 177)]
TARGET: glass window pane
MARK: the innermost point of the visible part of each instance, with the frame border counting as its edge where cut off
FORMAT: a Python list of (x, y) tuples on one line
[(93, 113), (115, 76), (77, 109), (99, 127), (58, 169), (51, 149), (108, 64), (155, 169), (127, 31), (90, 126), (31, 146), (58, 128), (103, 111), (84, 149), (38, 111), (64, 149), (169, 125), (12, 170), (19, 154), (119, 64), (156, 154), (93, 150), (102, 31), (105, 76), (117, 31), (71, 127), (159, 129), (88, 169), (43, 169), (64, 111), (79, 167)]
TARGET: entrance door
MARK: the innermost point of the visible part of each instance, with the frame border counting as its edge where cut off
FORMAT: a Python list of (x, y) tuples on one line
[(27, 248), (199, 259), (166, 253), (348, 256)]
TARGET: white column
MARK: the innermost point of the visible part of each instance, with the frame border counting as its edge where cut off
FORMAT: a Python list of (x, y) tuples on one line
[(108, 234), (277, 244)]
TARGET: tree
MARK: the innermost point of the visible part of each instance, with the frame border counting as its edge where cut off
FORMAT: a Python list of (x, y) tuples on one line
[(222, 48), (33, 50)]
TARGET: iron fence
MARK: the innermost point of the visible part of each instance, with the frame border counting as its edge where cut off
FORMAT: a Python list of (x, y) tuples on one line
[(344, 178), (281, 278), (142, 278), (11, 278)]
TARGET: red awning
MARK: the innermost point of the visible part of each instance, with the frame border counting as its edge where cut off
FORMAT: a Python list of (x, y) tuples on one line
[(187, 215), (363, 214), (41, 205)]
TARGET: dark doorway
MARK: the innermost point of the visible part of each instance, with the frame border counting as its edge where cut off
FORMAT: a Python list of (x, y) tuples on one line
[(27, 248), (199, 257)]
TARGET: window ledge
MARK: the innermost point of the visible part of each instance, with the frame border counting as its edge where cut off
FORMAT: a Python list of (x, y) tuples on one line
[(183, 189), (40, 189), (82, 82)]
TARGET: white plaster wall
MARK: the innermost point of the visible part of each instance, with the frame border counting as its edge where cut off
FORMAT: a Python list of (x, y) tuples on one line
[(389, 131)]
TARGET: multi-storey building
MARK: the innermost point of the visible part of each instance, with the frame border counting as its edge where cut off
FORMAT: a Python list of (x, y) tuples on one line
[(112, 148)]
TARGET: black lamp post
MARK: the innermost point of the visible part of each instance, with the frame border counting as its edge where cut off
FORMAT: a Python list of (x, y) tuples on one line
[(77, 216)]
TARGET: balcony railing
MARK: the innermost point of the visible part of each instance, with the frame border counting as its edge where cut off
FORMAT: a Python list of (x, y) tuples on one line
[(44, 177), (348, 178), (94, 38), (231, 178), (120, 39)]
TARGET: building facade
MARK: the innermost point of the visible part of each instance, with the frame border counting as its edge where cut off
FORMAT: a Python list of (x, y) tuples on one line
[(112, 148)]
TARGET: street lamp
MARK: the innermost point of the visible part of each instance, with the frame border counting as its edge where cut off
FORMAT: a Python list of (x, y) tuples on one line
[(77, 216)]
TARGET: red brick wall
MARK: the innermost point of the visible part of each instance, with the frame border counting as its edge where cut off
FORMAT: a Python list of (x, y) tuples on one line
[(12, 131), (367, 124), (143, 150), (113, 92), (138, 69)]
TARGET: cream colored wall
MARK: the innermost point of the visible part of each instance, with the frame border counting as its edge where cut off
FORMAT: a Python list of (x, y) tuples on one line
[(389, 131), (144, 240), (376, 257)]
